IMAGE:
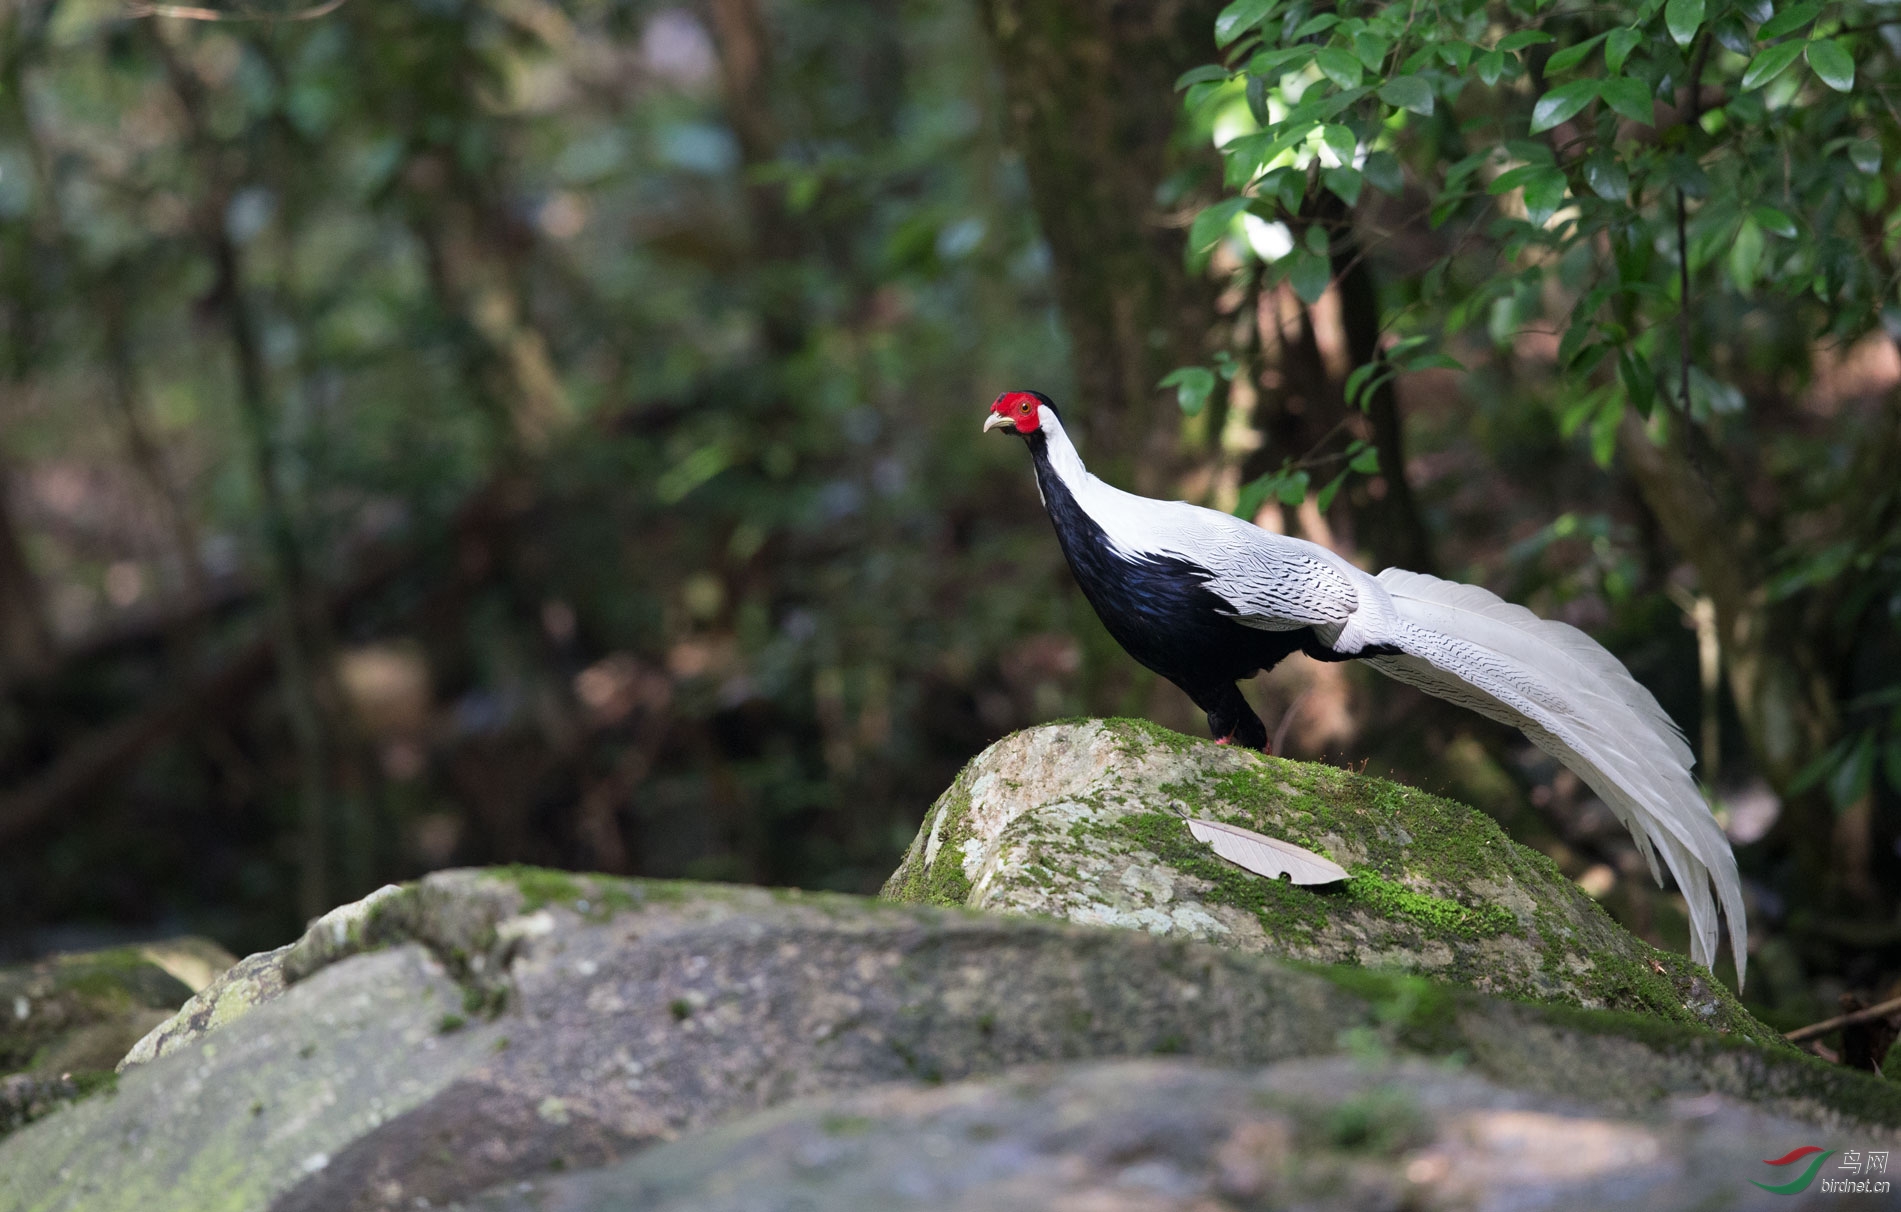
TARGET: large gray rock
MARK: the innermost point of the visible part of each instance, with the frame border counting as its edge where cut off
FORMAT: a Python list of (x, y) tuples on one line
[(1334, 1135), (1087, 822), (67, 1019), (479, 1028)]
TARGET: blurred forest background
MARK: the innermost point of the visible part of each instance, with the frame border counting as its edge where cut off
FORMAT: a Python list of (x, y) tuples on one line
[(442, 432)]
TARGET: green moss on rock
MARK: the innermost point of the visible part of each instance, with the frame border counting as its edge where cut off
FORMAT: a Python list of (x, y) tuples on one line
[(1088, 822)]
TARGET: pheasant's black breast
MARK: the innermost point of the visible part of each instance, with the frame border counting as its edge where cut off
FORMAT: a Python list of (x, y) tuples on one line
[(1158, 606)]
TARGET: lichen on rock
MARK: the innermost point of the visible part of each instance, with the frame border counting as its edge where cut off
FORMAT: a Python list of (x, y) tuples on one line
[(1086, 821), (65, 1020)]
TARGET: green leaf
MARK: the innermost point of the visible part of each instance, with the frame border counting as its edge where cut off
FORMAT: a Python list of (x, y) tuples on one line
[(1313, 25), (1356, 381), (1193, 385), (1338, 66), (1382, 172), (1618, 48), (1293, 489), (1341, 140), (1606, 176), (1773, 221), (1367, 462), (1325, 497), (1370, 49), (1571, 56), (1211, 224), (1745, 255), (1639, 388), (1522, 39), (1345, 182), (1561, 103), (1310, 276), (1408, 92), (1456, 54), (1514, 178), (1683, 16), (1316, 239), (1770, 64), (1271, 63), (1604, 426), (1630, 97), (1865, 154), (1240, 17), (1851, 779), (1832, 64), (1788, 20), (1544, 193), (1257, 101), (1201, 75), (1490, 66)]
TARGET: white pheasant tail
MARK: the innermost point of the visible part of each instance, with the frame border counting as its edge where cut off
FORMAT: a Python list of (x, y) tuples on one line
[(1578, 703)]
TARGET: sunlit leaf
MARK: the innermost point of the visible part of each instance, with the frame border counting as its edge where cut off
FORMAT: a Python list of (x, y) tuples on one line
[(1240, 17), (1865, 154), (1640, 387), (1606, 176), (1683, 17), (1571, 56), (1630, 97), (1344, 182), (1370, 49), (1832, 64), (1211, 224), (1544, 193), (1514, 178), (1341, 140), (1408, 92), (1490, 66), (1456, 54), (1618, 46), (1367, 461), (1771, 63), (1789, 20), (1774, 221), (1562, 103), (1745, 255), (1201, 75), (1314, 25), (1338, 66)]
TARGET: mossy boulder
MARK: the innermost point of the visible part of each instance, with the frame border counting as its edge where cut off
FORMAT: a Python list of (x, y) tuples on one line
[(1324, 1135), (1087, 822), (482, 1028), (66, 1020)]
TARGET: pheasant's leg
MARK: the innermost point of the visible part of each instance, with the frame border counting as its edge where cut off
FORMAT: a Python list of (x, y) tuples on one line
[(1230, 718)]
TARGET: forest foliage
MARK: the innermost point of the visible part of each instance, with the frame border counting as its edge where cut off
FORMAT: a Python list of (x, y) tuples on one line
[(546, 430)]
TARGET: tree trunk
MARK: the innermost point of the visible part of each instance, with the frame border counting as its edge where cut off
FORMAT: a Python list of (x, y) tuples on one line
[(1089, 90), (26, 646)]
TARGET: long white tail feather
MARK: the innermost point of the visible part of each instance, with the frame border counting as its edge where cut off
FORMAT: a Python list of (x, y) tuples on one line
[(1578, 703)]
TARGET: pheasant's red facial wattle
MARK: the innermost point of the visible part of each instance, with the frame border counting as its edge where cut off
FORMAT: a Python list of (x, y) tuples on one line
[(1018, 408)]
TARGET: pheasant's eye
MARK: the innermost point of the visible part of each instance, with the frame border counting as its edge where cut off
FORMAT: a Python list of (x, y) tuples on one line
[(1024, 408)]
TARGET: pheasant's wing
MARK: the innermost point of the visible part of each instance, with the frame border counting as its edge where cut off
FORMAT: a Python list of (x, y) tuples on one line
[(1268, 580)]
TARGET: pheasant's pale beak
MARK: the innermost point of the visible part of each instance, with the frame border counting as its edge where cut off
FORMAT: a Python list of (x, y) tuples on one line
[(995, 419)]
